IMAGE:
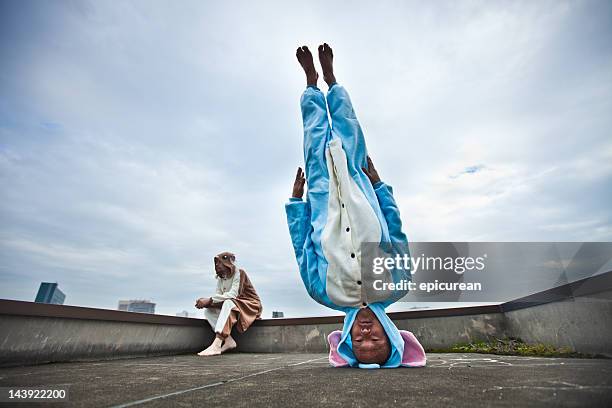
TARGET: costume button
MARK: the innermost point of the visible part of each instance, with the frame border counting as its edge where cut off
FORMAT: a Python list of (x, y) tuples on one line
[(364, 303), (352, 254), (342, 205), (359, 282), (347, 229)]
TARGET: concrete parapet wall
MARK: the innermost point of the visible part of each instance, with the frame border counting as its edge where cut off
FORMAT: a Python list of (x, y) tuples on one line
[(443, 332), (32, 333), (581, 324), (35, 340), (432, 332), (305, 338)]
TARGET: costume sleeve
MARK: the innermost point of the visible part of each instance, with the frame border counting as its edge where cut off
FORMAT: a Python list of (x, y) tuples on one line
[(399, 241), (232, 293), (298, 220), (390, 211)]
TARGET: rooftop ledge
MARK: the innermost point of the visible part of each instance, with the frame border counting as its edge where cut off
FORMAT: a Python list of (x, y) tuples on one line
[(581, 288), (575, 316)]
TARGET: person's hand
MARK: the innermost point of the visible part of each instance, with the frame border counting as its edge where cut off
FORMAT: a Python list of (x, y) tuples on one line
[(371, 172), (298, 184), (203, 302)]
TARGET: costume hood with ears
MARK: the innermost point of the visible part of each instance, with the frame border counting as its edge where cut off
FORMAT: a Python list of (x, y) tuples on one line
[(225, 264), (406, 351)]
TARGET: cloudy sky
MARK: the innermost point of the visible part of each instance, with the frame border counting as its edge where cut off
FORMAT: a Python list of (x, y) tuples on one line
[(138, 139)]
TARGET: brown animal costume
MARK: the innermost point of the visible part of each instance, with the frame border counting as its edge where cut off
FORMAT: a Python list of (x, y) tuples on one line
[(235, 302)]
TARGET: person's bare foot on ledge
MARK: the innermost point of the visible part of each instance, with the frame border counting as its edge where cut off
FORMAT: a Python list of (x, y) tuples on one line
[(304, 56), (326, 58)]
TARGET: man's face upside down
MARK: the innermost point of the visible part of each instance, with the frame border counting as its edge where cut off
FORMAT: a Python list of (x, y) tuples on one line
[(370, 342)]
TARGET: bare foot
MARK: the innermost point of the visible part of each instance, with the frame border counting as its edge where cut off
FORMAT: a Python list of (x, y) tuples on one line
[(228, 344), (213, 350), (304, 56), (326, 58)]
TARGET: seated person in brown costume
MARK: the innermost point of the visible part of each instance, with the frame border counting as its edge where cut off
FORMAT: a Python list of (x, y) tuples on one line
[(234, 303)]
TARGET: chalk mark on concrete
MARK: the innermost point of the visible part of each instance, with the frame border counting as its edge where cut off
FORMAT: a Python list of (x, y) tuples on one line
[(201, 387), (565, 386)]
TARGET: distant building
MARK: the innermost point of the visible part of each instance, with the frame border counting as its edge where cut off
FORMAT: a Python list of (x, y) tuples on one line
[(49, 293), (135, 305), (276, 315), (184, 313)]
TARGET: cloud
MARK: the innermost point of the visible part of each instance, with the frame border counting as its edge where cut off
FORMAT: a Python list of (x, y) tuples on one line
[(137, 140), (468, 170)]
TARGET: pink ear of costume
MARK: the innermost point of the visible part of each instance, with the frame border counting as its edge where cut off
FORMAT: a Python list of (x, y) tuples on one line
[(414, 355), (334, 358)]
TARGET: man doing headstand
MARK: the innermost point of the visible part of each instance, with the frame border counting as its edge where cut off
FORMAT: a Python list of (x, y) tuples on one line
[(347, 205)]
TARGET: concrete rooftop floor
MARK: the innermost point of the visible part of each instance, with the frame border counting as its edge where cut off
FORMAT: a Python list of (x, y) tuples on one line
[(268, 380)]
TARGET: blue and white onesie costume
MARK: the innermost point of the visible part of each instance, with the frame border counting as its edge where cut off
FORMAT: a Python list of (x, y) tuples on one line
[(343, 210)]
